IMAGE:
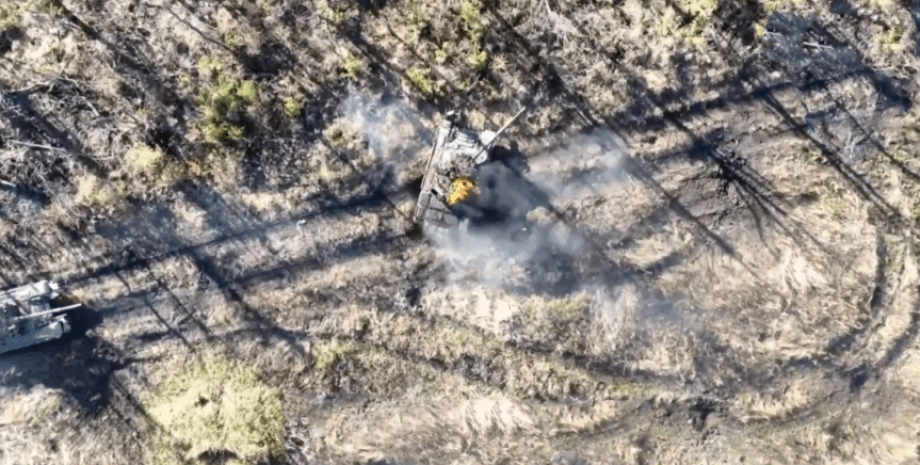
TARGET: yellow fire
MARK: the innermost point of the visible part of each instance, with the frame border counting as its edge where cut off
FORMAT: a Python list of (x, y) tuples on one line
[(460, 189)]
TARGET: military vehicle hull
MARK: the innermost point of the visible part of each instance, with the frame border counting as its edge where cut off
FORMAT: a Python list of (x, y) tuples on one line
[(455, 155), (27, 317), (45, 331)]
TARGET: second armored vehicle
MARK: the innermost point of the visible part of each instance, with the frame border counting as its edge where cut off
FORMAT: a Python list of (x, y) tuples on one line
[(27, 317)]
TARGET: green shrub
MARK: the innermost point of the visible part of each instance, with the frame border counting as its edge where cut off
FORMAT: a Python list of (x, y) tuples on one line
[(353, 66), (415, 20), (293, 107), (340, 135), (474, 27), (472, 20), (420, 79), (9, 16), (222, 106)]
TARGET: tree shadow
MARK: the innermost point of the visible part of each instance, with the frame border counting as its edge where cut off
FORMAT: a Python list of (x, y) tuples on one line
[(811, 58), (23, 119)]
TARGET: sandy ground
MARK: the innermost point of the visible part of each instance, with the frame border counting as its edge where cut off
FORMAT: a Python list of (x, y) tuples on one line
[(710, 257)]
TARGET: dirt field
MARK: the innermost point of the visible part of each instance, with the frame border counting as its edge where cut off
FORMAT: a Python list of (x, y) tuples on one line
[(713, 256)]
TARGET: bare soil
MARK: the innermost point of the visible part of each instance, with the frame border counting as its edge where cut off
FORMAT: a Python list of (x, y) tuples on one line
[(707, 251)]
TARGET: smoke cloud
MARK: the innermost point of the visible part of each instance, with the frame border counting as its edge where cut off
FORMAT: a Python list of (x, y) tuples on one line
[(526, 244), (395, 133)]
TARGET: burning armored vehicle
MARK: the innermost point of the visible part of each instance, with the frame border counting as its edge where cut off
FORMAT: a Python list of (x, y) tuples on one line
[(449, 183), (27, 317)]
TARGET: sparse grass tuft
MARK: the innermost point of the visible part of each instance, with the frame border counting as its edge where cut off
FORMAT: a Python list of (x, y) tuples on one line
[(328, 353), (9, 16), (336, 11), (891, 39), (474, 27), (420, 80), (689, 22), (93, 192), (33, 408), (415, 20), (143, 159), (353, 66), (210, 66), (479, 60), (293, 107), (340, 135), (223, 105), (215, 406)]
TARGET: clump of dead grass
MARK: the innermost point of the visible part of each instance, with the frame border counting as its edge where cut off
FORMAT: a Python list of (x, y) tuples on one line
[(95, 192), (42, 426), (142, 159), (215, 406), (30, 408)]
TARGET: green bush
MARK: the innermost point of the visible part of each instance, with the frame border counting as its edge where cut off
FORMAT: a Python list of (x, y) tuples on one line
[(293, 107), (223, 105), (473, 25), (420, 79)]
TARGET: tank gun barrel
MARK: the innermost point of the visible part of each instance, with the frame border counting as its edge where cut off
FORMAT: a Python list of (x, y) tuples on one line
[(47, 312), (500, 131)]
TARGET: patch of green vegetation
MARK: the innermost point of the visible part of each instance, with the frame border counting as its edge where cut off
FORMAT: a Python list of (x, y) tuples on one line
[(339, 135), (223, 105), (687, 20), (215, 406), (93, 192), (416, 20), (567, 310), (51, 8), (479, 60), (891, 39), (452, 341), (353, 66), (170, 173), (474, 27), (420, 80), (232, 40), (210, 67), (46, 409), (471, 17), (326, 354), (336, 11), (293, 107), (9, 16), (142, 113), (440, 56)]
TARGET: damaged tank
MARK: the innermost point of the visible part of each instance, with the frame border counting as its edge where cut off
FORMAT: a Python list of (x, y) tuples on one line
[(449, 183), (27, 316)]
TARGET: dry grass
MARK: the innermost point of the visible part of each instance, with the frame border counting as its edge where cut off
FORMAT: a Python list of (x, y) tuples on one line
[(39, 428), (214, 406), (470, 374)]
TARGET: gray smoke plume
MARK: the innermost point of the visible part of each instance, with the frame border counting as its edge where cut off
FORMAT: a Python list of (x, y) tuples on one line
[(530, 246), (583, 166), (394, 132)]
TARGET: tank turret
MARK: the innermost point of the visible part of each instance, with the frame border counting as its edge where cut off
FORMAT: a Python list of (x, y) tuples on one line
[(449, 179), (28, 316)]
